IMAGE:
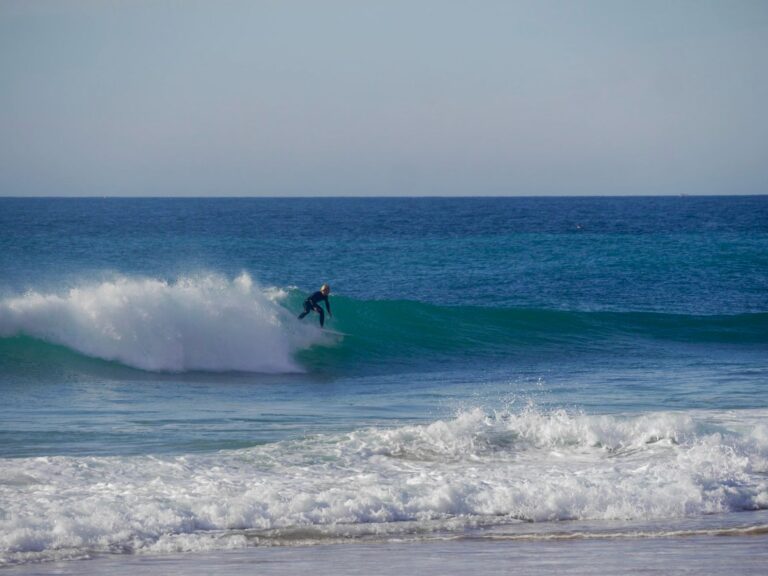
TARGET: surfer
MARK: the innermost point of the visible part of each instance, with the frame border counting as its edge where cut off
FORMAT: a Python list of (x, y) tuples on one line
[(313, 303)]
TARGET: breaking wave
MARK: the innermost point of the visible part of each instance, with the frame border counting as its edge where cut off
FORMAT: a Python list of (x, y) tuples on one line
[(477, 469), (212, 323), (197, 323)]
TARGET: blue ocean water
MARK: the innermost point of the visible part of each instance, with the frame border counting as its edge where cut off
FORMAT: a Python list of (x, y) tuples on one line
[(512, 366)]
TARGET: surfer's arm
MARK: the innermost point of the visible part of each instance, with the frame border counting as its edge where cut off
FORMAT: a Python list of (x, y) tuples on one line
[(328, 306)]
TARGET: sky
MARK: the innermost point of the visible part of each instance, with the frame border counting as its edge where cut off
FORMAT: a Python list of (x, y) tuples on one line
[(383, 98)]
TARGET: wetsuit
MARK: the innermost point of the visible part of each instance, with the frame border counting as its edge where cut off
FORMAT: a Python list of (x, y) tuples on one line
[(313, 303)]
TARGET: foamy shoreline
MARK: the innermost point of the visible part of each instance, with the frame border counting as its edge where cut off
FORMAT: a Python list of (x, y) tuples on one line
[(702, 555)]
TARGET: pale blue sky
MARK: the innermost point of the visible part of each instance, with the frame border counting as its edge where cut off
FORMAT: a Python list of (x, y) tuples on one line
[(302, 98)]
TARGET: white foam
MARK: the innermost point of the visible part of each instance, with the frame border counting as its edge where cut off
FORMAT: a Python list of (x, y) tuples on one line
[(206, 322), (474, 469)]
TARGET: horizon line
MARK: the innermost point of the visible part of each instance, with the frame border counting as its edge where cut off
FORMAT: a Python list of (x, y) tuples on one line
[(362, 197)]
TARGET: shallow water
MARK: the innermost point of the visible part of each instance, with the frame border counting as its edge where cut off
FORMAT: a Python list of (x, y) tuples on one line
[(704, 555)]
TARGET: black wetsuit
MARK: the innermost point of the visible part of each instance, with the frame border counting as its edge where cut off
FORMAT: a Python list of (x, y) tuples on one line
[(313, 303)]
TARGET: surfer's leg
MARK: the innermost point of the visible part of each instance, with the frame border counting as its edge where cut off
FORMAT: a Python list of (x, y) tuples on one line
[(307, 308), (322, 315)]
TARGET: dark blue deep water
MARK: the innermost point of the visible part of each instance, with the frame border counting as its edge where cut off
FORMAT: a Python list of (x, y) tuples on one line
[(693, 255)]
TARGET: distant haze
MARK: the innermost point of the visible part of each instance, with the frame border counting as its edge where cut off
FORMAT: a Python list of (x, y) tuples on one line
[(305, 98)]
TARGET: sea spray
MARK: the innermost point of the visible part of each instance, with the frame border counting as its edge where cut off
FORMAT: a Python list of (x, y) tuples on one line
[(205, 322)]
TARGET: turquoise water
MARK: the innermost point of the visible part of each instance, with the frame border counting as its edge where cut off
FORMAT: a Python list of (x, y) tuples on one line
[(505, 363)]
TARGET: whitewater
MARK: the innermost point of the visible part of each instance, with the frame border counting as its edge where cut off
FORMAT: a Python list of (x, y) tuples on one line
[(475, 470), (569, 384), (203, 323)]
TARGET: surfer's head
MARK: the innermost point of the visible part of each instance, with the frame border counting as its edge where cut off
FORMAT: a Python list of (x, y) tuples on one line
[(325, 289)]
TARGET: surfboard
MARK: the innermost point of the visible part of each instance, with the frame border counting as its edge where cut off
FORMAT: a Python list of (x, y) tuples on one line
[(334, 332)]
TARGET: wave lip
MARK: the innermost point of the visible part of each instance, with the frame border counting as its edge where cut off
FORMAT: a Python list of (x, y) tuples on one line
[(196, 323)]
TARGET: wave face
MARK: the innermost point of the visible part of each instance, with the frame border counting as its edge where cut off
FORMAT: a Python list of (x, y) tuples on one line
[(465, 324), (198, 323), (477, 469), (391, 331)]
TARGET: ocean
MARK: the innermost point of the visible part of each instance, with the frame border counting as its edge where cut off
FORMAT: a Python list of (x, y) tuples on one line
[(571, 385)]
